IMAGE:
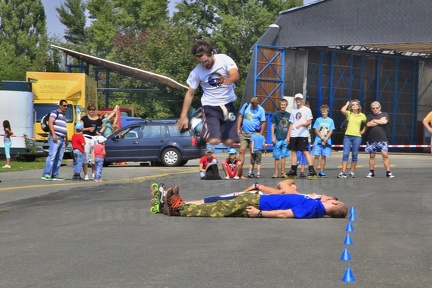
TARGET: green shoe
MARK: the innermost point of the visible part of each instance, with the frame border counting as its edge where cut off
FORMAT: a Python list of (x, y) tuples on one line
[(58, 178), (46, 178)]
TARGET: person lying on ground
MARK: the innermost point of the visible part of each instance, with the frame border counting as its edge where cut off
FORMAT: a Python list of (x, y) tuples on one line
[(284, 187), (256, 205)]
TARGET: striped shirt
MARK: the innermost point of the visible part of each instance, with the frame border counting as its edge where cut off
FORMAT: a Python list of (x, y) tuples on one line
[(60, 123)]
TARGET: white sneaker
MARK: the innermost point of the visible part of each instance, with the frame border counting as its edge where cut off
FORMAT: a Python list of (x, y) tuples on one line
[(93, 176), (86, 177), (342, 175), (370, 175), (390, 175), (7, 166), (351, 175), (236, 177), (226, 177)]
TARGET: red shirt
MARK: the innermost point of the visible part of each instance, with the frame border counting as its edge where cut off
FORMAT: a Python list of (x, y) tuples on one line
[(206, 161), (99, 150), (77, 142)]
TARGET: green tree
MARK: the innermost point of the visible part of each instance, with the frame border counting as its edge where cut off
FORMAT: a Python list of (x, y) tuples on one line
[(23, 40), (138, 15), (103, 28), (72, 15)]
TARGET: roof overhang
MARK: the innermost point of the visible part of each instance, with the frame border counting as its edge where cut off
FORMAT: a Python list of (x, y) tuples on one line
[(122, 69)]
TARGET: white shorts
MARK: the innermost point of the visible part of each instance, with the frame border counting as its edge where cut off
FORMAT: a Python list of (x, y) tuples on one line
[(88, 149)]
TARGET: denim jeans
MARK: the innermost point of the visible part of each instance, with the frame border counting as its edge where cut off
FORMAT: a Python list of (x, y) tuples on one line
[(55, 156), (78, 161), (98, 165), (351, 143)]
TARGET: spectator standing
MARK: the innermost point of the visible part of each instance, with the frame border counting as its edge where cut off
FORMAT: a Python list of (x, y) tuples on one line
[(78, 143), (279, 130), (324, 127), (92, 125), (427, 122), (298, 136), (57, 140), (7, 142), (376, 124), (250, 116), (98, 156), (258, 147), (216, 74), (109, 122), (353, 135)]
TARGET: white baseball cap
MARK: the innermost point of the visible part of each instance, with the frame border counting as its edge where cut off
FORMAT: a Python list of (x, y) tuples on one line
[(298, 95)]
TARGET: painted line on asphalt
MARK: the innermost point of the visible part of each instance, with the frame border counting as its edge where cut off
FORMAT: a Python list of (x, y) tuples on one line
[(135, 179)]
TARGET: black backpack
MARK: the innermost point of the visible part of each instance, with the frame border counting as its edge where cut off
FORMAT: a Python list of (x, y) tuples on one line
[(212, 172), (44, 121)]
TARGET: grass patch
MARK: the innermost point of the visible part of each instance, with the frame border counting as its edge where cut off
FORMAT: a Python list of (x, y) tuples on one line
[(39, 163)]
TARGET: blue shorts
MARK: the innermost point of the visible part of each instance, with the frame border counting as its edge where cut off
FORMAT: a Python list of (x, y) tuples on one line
[(215, 125), (320, 150), (301, 159), (373, 147), (280, 149)]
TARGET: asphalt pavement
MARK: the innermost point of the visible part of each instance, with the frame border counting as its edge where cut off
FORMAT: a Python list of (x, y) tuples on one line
[(87, 234)]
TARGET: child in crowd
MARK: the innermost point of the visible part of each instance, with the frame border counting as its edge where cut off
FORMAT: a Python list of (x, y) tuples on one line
[(99, 157), (324, 127), (205, 161), (7, 142), (232, 166), (110, 122), (78, 143), (302, 162), (258, 146)]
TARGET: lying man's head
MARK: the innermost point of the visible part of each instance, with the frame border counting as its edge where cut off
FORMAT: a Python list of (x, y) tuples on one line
[(337, 209)]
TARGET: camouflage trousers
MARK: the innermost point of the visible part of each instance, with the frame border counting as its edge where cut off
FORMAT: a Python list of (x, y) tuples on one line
[(223, 208)]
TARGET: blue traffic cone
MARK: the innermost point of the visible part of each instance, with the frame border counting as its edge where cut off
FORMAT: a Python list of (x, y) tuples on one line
[(345, 255), (348, 240), (353, 218), (348, 276), (352, 210), (349, 227)]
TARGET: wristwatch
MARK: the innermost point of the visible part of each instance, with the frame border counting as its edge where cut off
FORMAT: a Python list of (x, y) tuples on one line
[(260, 214)]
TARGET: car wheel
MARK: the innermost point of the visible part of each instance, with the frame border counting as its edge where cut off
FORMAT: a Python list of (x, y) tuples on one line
[(171, 157)]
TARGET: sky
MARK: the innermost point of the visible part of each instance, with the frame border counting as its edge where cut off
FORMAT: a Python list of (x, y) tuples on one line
[(55, 27)]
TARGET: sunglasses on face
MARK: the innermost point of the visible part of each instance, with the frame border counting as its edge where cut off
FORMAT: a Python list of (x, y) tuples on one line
[(374, 108), (64, 105), (91, 109)]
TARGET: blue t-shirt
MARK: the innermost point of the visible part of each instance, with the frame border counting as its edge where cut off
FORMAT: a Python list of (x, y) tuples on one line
[(258, 141), (251, 117), (301, 205), (281, 121), (324, 126)]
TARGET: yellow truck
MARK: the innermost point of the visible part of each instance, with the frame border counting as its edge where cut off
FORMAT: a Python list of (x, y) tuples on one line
[(49, 88)]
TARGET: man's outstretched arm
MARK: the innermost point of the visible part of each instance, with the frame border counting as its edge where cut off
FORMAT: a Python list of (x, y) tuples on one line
[(254, 213)]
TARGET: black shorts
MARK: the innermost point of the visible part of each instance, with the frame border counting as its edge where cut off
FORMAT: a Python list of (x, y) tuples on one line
[(298, 144), (215, 125)]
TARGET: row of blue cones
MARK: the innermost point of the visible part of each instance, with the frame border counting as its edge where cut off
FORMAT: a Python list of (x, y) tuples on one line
[(349, 275)]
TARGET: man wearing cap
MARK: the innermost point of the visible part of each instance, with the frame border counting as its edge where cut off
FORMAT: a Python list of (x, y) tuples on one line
[(250, 116), (205, 161), (232, 166), (298, 136)]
